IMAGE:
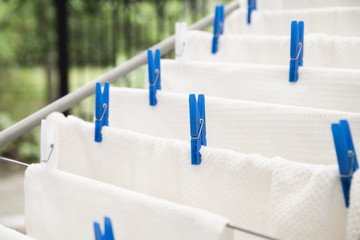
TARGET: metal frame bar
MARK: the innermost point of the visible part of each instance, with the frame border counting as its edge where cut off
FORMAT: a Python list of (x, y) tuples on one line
[(25, 125)]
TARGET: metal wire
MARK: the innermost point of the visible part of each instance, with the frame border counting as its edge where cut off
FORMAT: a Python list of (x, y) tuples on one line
[(4, 159), (250, 232)]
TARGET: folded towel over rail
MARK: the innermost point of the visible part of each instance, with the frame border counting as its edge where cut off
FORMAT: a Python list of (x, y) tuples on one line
[(330, 21), (61, 205), (319, 50), (295, 133), (325, 88)]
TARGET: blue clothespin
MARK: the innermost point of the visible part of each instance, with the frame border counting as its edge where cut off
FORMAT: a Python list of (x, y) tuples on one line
[(251, 7), (296, 49), (154, 75), (197, 126), (218, 26), (108, 231), (345, 154), (101, 109)]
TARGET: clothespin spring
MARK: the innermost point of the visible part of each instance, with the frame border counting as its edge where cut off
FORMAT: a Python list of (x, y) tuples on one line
[(220, 29), (182, 50), (102, 116), (52, 149), (350, 155), (157, 72), (298, 55), (202, 124)]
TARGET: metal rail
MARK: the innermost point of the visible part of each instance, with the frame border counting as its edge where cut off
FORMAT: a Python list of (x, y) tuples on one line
[(25, 125)]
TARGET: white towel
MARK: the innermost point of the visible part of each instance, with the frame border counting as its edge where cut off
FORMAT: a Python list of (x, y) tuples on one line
[(319, 50), (10, 234), (331, 21), (284, 199), (61, 205), (295, 133), (353, 226), (293, 4), (333, 89)]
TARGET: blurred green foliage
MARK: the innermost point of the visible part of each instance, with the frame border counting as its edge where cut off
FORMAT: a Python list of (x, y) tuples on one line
[(102, 34)]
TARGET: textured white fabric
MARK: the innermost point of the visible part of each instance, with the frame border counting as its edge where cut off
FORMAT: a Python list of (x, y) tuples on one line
[(353, 225), (319, 50), (294, 4), (10, 234), (284, 199), (295, 133), (330, 21), (333, 89), (61, 205)]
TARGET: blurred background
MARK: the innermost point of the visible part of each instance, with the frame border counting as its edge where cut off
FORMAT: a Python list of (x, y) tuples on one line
[(51, 47)]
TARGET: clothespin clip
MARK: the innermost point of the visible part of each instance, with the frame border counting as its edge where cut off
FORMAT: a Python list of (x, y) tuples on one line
[(345, 154), (108, 231), (101, 109), (197, 126), (154, 75), (218, 26), (180, 39), (296, 49), (251, 7)]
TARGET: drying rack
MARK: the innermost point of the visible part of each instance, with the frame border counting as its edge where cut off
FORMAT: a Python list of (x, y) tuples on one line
[(66, 102)]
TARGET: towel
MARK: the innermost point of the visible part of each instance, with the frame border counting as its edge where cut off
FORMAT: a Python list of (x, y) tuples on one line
[(296, 133), (10, 234), (274, 196), (333, 89), (293, 4), (319, 50), (331, 21), (353, 226), (61, 205)]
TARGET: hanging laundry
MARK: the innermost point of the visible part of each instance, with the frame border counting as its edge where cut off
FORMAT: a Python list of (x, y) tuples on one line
[(295, 133), (319, 50), (296, 4), (278, 197), (325, 88), (61, 205), (10, 234), (329, 21), (353, 221), (269, 165)]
